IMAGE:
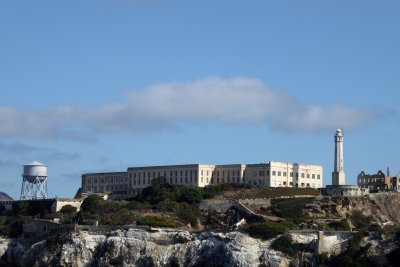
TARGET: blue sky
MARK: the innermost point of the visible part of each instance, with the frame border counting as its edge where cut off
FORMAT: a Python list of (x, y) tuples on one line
[(91, 86)]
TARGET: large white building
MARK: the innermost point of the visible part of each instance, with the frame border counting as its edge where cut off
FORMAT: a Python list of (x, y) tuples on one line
[(270, 174)]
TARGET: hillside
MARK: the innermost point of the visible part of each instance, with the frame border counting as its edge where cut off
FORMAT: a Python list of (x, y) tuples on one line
[(4, 197)]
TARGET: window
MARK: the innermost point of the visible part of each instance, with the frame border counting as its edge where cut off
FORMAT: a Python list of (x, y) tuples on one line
[(308, 175), (291, 174), (284, 183), (302, 175), (291, 183), (279, 173), (284, 174), (313, 176), (201, 179), (273, 173), (181, 180)]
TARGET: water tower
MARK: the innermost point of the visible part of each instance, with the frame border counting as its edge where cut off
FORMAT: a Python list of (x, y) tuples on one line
[(34, 181)]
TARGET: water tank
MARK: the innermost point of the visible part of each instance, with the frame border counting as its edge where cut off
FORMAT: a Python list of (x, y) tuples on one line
[(35, 172)]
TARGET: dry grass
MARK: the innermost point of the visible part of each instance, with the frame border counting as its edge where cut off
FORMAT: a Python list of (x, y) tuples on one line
[(250, 193)]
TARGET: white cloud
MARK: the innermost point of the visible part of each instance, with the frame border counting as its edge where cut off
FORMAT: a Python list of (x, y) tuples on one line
[(164, 106)]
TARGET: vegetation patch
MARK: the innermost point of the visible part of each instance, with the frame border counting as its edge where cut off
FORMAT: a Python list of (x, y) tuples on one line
[(117, 261), (156, 221), (267, 230), (68, 209), (342, 225), (285, 244), (359, 220), (290, 207)]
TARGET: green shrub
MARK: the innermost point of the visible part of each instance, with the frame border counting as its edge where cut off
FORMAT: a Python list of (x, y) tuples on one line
[(122, 217), (156, 221), (214, 190), (117, 261), (167, 206), (137, 205), (359, 220), (190, 195), (285, 244), (68, 209), (290, 207), (91, 204), (189, 214), (342, 225), (267, 230)]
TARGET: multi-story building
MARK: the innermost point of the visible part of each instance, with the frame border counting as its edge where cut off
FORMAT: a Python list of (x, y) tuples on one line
[(270, 174), (115, 183), (375, 182)]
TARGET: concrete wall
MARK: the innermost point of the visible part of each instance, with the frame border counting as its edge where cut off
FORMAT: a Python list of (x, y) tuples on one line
[(59, 203)]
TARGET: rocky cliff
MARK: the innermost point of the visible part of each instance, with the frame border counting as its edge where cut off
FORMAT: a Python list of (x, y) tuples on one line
[(137, 247)]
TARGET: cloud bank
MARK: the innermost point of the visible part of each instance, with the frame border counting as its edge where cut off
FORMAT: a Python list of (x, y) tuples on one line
[(170, 105)]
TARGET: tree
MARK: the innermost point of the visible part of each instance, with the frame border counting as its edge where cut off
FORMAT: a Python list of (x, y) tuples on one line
[(190, 195), (91, 204), (68, 209)]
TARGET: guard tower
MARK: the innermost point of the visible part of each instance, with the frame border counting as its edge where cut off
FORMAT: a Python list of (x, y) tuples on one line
[(34, 181)]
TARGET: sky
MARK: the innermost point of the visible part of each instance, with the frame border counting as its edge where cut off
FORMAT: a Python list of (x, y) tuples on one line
[(95, 86)]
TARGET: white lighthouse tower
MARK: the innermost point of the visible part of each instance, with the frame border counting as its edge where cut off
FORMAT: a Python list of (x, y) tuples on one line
[(338, 174)]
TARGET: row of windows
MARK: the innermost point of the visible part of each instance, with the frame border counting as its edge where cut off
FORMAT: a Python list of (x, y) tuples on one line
[(153, 174), (106, 180), (291, 184), (371, 180), (184, 173), (186, 180), (106, 188), (142, 181), (218, 180), (296, 174)]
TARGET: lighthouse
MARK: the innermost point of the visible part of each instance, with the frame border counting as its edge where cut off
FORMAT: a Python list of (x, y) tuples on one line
[(338, 174)]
